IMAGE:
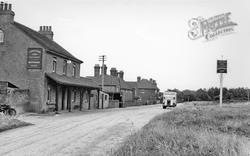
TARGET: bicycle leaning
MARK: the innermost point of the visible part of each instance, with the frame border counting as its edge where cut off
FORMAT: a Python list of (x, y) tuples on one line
[(7, 110)]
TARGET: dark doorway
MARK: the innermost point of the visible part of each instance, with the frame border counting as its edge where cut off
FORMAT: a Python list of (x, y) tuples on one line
[(63, 98)]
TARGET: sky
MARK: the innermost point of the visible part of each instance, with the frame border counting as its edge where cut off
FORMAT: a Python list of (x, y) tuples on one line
[(147, 38)]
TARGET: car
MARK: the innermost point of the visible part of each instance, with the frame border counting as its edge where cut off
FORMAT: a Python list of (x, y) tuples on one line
[(169, 99)]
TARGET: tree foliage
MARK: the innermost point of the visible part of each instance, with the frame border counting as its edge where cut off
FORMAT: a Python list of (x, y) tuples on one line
[(212, 94)]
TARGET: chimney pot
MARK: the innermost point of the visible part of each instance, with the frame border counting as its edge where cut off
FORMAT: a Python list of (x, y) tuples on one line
[(113, 72), (46, 31), (97, 70), (121, 74), (138, 78), (5, 6), (1, 6), (7, 15)]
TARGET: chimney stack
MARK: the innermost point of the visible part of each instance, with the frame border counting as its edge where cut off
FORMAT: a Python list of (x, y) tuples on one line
[(151, 80), (121, 74), (105, 69), (97, 70), (6, 13), (113, 72), (138, 78), (46, 31)]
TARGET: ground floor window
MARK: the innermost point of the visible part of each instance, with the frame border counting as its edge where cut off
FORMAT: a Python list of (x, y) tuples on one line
[(49, 95)]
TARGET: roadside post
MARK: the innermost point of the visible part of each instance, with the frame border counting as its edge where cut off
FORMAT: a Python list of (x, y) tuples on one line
[(221, 69)]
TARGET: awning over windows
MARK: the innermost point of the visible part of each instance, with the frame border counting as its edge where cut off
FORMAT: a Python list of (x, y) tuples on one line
[(71, 81)]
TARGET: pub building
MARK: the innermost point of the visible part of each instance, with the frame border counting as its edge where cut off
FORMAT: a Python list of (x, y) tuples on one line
[(32, 60)]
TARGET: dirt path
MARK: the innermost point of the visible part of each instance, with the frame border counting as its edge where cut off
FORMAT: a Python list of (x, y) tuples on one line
[(81, 133)]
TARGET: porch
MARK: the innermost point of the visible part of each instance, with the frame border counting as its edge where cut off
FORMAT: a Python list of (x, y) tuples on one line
[(68, 93)]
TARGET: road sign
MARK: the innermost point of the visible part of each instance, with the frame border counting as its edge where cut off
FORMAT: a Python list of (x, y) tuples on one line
[(221, 66)]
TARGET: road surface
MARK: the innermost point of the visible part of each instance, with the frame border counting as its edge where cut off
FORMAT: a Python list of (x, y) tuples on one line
[(80, 133)]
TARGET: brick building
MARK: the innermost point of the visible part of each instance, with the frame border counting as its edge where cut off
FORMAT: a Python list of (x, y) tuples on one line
[(32, 60), (144, 91), (114, 85)]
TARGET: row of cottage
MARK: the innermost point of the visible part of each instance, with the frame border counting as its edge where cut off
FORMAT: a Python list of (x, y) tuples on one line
[(50, 75)]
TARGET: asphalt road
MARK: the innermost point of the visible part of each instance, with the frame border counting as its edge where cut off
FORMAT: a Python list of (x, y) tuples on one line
[(80, 133)]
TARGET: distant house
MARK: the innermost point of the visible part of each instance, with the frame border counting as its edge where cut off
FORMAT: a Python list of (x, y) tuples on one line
[(32, 60), (144, 91), (120, 93)]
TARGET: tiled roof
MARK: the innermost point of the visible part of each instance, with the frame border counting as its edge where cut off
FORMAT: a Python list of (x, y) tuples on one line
[(142, 84), (70, 81), (47, 43), (112, 81), (132, 84)]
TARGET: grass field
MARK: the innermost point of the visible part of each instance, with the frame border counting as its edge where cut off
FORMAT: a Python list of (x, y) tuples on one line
[(8, 122), (200, 130)]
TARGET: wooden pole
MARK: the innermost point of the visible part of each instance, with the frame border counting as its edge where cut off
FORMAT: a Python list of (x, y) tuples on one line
[(221, 89)]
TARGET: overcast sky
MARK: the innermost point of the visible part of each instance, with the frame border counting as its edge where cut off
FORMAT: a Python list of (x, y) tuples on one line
[(147, 38)]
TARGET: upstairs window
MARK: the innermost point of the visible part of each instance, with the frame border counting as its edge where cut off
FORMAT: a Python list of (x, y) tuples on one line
[(74, 70), (65, 67), (1, 36), (54, 64)]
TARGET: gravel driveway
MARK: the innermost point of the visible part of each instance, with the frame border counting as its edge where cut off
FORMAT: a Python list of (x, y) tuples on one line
[(79, 133)]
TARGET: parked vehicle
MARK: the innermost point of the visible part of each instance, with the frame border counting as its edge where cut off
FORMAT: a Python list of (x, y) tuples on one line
[(169, 99), (7, 110)]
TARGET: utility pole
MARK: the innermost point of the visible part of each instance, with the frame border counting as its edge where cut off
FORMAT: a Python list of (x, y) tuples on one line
[(102, 58)]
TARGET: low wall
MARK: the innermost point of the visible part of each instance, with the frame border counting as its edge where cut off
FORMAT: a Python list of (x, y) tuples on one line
[(18, 98), (113, 103)]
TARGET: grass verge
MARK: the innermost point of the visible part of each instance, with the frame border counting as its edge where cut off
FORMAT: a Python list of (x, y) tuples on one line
[(8, 122), (201, 130)]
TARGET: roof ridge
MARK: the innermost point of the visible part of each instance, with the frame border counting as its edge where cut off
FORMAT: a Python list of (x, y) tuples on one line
[(47, 43)]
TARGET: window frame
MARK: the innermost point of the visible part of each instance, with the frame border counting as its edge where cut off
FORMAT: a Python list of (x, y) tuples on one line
[(3, 36), (74, 70), (54, 64), (65, 65)]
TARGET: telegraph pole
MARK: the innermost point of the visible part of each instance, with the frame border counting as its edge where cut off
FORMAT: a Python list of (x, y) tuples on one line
[(102, 58)]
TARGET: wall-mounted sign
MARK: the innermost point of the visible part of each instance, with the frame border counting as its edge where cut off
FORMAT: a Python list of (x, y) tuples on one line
[(212, 27), (221, 66), (34, 58)]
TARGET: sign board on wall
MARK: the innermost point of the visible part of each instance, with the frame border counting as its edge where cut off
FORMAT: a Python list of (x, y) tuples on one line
[(221, 66), (34, 58)]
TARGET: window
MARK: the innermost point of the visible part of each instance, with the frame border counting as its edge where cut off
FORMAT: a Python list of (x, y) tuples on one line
[(49, 95), (74, 70), (54, 64), (65, 67), (1, 36), (106, 97)]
